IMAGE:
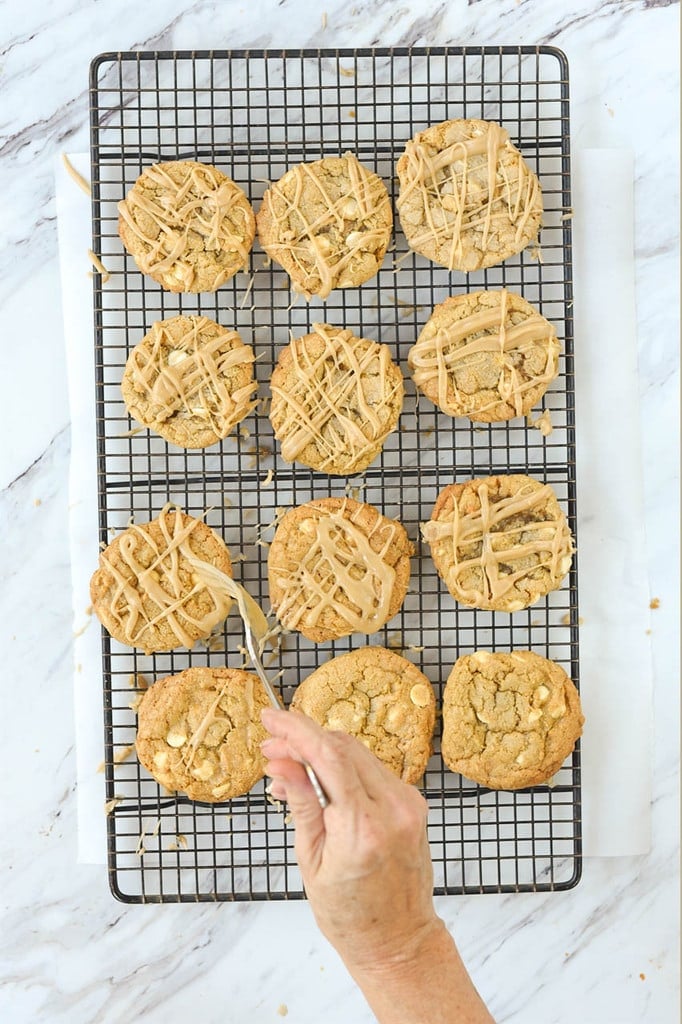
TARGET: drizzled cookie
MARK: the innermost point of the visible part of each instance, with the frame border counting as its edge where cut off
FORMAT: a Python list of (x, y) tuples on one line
[(148, 594), (328, 223), (200, 732), (187, 225), (500, 542), (486, 355), (337, 566), (509, 720), (335, 399), (467, 198), (189, 380), (378, 697)]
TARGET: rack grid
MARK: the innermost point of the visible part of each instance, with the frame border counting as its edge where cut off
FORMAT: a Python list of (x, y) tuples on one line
[(254, 114)]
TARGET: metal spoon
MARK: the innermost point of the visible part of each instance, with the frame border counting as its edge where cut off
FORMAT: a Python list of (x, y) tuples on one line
[(256, 631)]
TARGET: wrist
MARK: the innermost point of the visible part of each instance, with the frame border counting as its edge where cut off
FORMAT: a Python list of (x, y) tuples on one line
[(400, 952)]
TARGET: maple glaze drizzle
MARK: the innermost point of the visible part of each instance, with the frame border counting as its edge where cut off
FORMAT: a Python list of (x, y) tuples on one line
[(159, 584), (460, 206), (482, 527), (309, 243), (340, 563), (340, 400), (442, 354), (188, 376)]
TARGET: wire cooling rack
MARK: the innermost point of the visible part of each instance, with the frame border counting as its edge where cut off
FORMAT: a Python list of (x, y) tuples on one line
[(254, 114)]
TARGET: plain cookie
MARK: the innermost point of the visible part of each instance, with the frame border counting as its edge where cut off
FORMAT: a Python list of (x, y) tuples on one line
[(509, 720), (381, 699)]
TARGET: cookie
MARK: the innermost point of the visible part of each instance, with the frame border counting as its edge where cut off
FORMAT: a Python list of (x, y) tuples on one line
[(189, 380), (486, 355), (146, 592), (328, 223), (337, 566), (335, 400), (187, 225), (381, 699), (509, 720), (200, 732), (500, 542), (467, 198)]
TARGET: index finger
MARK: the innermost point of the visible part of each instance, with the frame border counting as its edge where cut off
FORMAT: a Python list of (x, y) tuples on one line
[(329, 754)]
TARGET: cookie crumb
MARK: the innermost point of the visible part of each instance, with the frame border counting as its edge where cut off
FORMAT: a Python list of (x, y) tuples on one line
[(351, 113), (346, 72), (37, 502), (543, 423), (642, 977), (282, 1010), (654, 603), (647, 632), (121, 755)]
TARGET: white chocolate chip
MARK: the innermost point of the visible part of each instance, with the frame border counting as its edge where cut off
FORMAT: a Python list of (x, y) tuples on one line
[(307, 526), (204, 771), (558, 710), (522, 758), (542, 693), (176, 739), (354, 238), (419, 695), (534, 715), (161, 758), (349, 208), (176, 356)]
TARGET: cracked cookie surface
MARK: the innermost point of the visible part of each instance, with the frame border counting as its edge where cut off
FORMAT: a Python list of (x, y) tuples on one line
[(467, 198), (190, 380), (381, 699), (509, 720), (146, 592), (187, 225), (499, 542), (327, 223), (487, 355), (335, 400), (337, 566), (200, 732)]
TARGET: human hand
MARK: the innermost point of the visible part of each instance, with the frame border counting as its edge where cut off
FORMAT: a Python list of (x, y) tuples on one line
[(365, 859)]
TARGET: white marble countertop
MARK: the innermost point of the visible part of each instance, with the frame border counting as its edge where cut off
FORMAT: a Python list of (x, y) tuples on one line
[(604, 953)]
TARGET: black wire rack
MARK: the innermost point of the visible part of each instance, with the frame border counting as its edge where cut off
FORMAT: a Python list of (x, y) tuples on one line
[(254, 114)]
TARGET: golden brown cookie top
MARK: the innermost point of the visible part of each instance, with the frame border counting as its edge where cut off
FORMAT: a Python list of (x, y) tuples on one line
[(380, 698), (337, 566), (487, 355), (467, 197), (146, 591), (190, 380), (187, 225), (328, 223), (509, 720), (335, 399), (200, 732), (499, 542)]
